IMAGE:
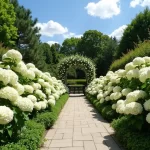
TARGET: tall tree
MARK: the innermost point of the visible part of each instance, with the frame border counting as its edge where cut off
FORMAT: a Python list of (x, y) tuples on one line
[(8, 32), (137, 31), (69, 46), (99, 47), (28, 35), (90, 44)]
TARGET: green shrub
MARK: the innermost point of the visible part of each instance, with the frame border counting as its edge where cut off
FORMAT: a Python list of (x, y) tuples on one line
[(13, 147), (59, 104), (143, 49), (132, 140), (29, 139), (46, 118), (31, 136), (104, 109), (108, 113)]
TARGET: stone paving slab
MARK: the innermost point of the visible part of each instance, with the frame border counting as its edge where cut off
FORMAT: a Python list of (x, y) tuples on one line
[(80, 127)]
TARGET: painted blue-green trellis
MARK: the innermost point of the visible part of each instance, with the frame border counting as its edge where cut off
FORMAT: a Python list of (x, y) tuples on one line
[(77, 62)]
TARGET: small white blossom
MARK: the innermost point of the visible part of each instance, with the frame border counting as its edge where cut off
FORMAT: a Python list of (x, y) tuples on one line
[(6, 115)]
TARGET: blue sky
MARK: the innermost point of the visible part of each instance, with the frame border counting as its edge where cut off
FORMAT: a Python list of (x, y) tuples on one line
[(60, 19)]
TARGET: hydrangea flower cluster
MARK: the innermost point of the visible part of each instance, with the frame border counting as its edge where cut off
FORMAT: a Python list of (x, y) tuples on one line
[(116, 88), (25, 86)]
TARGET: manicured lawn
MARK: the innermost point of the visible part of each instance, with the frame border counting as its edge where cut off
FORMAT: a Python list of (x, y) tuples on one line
[(76, 82)]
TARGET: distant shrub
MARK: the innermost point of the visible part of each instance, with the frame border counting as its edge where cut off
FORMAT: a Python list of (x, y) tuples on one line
[(142, 50)]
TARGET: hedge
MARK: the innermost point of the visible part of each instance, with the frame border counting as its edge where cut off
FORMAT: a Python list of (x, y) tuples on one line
[(143, 49), (130, 139), (104, 109), (31, 137)]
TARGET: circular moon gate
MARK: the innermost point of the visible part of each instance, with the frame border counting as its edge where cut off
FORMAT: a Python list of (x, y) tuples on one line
[(77, 62)]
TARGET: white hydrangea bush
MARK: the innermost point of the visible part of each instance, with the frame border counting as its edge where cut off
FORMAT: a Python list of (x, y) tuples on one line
[(126, 90), (25, 87)]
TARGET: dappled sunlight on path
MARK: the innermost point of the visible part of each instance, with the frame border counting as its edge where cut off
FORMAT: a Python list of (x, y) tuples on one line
[(80, 127)]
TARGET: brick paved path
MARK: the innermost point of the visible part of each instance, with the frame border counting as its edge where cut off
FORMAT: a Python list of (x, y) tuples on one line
[(79, 127)]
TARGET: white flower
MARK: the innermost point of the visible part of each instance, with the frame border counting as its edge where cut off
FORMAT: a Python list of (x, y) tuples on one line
[(9, 93), (99, 96), (129, 66), (107, 98), (117, 89), (135, 95), (29, 74), (37, 106), (6, 115), (4, 76), (13, 77), (132, 74), (37, 72), (30, 65), (20, 68), (47, 73), (28, 88), (117, 95), (112, 96), (20, 88), (119, 102), (56, 95), (41, 81), (133, 108), (25, 104), (126, 91), (46, 85), (48, 91), (43, 104), (32, 98), (147, 59), (114, 106), (36, 85), (121, 72), (120, 108), (102, 100), (148, 118), (40, 94), (114, 78), (110, 88), (51, 101), (147, 105), (13, 55), (143, 76), (138, 61), (51, 97)]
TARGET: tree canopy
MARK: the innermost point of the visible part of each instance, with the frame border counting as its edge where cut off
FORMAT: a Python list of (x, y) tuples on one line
[(8, 31), (137, 31), (28, 35), (69, 46)]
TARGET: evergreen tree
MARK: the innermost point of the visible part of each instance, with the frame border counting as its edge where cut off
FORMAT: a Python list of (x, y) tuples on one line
[(28, 35)]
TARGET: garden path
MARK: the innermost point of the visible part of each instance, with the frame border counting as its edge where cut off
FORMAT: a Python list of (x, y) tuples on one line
[(80, 127)]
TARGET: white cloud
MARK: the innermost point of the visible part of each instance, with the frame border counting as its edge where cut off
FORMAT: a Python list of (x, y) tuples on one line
[(51, 42), (70, 34), (118, 32), (104, 8), (145, 3), (142, 3), (51, 28)]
